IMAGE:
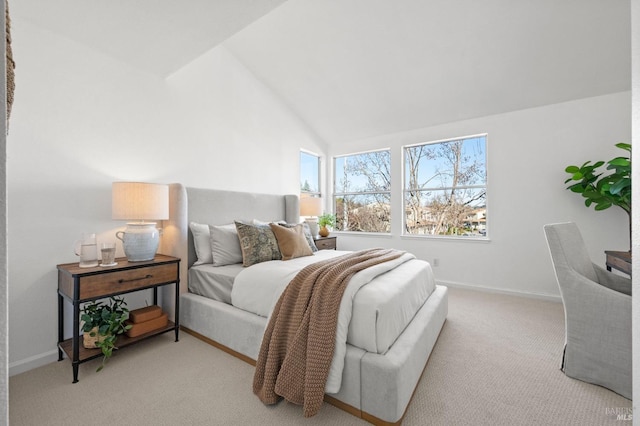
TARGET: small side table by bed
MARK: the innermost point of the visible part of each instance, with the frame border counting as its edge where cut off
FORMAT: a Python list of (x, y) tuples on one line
[(79, 285), (326, 243), (620, 260)]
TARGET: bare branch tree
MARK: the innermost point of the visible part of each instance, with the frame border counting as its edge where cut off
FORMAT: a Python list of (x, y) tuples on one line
[(449, 210)]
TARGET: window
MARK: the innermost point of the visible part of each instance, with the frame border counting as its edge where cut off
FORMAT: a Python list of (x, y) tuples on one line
[(309, 173), (445, 188), (362, 192)]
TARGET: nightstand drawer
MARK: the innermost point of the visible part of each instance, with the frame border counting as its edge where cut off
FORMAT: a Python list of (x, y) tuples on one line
[(327, 243), (126, 280)]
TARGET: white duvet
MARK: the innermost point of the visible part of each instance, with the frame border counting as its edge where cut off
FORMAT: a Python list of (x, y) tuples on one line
[(257, 289)]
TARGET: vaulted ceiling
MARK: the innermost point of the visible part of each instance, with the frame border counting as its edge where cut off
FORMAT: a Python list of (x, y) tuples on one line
[(353, 69), (157, 36)]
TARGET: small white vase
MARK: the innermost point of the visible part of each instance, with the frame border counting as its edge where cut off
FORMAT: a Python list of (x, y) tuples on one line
[(140, 241)]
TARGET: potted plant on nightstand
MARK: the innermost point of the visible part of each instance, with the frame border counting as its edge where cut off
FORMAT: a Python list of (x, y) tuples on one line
[(325, 220), (102, 323)]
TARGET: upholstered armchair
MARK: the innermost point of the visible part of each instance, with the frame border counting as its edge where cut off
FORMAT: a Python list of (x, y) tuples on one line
[(597, 310)]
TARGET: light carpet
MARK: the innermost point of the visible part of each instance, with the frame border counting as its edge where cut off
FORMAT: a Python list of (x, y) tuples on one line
[(496, 362)]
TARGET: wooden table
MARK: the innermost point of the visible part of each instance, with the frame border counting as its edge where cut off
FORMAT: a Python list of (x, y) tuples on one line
[(620, 260), (326, 243), (78, 285)]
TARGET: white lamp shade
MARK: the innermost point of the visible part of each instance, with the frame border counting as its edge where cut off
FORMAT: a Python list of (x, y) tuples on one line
[(310, 206), (139, 201)]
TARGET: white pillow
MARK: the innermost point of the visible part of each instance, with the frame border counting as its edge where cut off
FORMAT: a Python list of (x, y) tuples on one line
[(225, 245), (201, 242)]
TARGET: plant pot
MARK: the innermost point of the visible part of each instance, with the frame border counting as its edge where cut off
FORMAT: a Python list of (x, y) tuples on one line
[(89, 341), (324, 231)]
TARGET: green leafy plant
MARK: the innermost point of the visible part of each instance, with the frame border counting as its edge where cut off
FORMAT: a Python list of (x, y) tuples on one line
[(327, 219), (110, 320), (604, 190)]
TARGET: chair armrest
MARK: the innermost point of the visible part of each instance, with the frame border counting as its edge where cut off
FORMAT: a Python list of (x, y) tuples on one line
[(595, 312), (598, 335), (613, 281)]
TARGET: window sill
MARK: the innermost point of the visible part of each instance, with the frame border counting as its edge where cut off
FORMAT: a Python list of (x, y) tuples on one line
[(363, 234), (446, 238)]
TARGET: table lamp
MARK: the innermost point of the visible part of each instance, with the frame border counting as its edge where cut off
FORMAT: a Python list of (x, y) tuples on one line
[(139, 202), (311, 207)]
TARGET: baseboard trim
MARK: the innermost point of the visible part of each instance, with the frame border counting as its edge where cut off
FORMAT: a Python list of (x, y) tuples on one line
[(32, 362), (542, 296)]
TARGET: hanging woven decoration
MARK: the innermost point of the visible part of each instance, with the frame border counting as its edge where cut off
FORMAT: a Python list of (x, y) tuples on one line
[(11, 65)]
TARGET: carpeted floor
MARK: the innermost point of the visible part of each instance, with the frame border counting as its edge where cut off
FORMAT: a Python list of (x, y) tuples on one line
[(495, 363)]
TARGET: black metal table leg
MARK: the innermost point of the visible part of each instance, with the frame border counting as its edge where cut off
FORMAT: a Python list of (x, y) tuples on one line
[(76, 332), (176, 304), (76, 365), (60, 325)]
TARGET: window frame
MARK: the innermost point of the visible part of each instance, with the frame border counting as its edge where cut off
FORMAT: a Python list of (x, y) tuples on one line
[(405, 190), (336, 194)]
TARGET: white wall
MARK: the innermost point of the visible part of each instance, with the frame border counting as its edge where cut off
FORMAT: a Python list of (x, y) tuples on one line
[(527, 153), (82, 120)]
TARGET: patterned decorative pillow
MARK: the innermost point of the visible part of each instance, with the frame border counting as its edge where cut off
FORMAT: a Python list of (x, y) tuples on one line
[(291, 241), (258, 244), (307, 233)]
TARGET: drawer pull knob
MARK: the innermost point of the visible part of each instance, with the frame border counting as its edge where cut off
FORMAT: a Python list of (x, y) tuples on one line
[(120, 281)]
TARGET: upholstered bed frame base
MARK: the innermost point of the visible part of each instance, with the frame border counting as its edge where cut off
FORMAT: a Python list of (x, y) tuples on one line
[(376, 387)]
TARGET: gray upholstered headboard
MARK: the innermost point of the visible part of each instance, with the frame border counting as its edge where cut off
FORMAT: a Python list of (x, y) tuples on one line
[(216, 207)]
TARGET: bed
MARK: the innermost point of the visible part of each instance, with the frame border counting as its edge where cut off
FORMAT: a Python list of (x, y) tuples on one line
[(381, 367)]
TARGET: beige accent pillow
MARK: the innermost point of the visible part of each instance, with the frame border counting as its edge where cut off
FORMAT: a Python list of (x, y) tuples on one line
[(291, 241)]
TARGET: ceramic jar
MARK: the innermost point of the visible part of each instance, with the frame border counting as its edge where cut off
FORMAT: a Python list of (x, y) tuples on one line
[(140, 241)]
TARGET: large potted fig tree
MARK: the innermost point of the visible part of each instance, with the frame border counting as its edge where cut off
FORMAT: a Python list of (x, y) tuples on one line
[(603, 189)]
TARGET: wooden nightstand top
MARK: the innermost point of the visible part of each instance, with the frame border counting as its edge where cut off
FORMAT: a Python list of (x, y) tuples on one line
[(122, 263), (326, 243)]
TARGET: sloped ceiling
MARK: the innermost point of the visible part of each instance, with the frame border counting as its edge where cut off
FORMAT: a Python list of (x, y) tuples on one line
[(353, 69), (156, 36)]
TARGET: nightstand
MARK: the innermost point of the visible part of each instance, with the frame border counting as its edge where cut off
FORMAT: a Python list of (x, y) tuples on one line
[(79, 285), (326, 243)]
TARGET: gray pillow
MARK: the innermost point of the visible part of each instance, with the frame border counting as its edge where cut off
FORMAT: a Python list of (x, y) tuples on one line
[(225, 245), (201, 242), (258, 243)]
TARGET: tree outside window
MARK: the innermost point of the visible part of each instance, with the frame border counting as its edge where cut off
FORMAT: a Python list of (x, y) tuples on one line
[(362, 192), (446, 188), (309, 173)]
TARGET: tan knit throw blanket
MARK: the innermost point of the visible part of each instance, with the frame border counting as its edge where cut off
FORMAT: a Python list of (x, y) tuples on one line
[(297, 347)]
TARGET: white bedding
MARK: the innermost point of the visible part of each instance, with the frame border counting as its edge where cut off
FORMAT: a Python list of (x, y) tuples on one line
[(377, 304)]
